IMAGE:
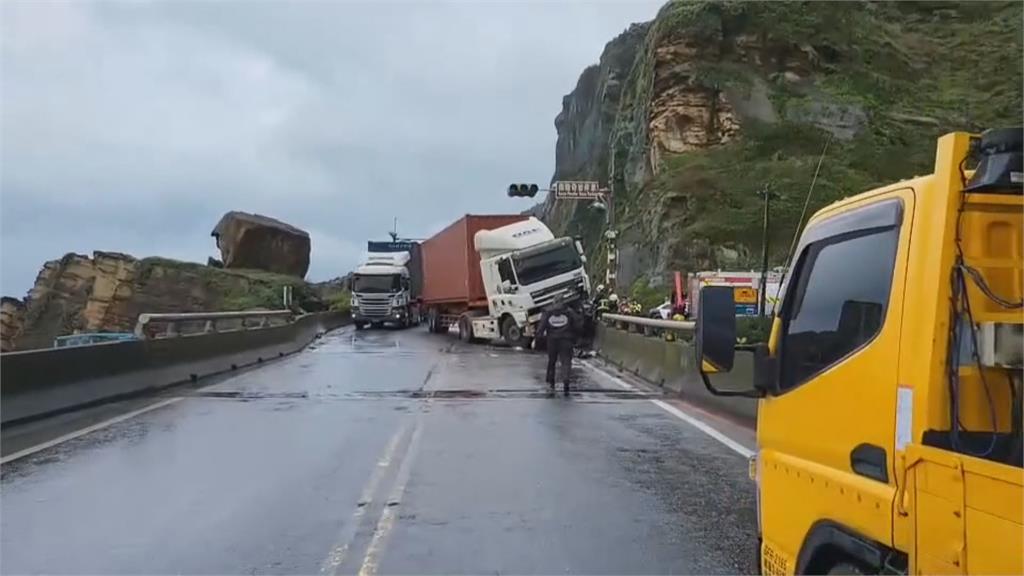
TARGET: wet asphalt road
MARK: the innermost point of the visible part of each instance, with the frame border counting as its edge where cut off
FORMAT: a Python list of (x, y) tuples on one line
[(387, 452)]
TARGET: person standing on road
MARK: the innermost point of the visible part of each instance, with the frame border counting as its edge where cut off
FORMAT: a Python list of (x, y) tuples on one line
[(560, 324)]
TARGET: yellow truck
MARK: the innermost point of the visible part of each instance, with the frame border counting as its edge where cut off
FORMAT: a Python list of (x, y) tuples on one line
[(889, 412)]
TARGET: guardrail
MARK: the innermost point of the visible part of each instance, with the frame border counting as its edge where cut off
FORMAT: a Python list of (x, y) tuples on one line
[(647, 325), (670, 362), (41, 382), (211, 322)]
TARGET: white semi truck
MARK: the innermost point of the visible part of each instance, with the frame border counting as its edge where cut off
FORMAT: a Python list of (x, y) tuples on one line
[(493, 275), (386, 286)]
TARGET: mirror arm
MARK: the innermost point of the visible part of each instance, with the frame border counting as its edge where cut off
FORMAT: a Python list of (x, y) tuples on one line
[(740, 393)]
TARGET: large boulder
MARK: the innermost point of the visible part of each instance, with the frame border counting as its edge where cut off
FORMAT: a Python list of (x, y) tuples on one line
[(258, 242)]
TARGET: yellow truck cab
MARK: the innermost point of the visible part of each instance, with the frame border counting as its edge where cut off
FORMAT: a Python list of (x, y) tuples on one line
[(889, 412)]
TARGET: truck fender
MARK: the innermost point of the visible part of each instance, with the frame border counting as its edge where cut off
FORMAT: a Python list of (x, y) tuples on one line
[(826, 538)]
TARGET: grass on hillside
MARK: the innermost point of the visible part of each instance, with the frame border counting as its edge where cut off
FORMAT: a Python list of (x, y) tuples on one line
[(237, 289), (917, 70)]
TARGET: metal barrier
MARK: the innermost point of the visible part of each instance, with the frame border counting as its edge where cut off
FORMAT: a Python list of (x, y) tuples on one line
[(647, 326), (211, 322)]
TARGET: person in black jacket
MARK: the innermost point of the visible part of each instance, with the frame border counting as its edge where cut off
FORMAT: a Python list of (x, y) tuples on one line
[(560, 324)]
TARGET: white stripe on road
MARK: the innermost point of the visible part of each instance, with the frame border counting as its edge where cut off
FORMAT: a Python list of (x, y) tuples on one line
[(337, 555), (387, 517), (77, 433), (695, 422)]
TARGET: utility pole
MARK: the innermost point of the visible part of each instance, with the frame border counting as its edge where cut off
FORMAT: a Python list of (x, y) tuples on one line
[(766, 194)]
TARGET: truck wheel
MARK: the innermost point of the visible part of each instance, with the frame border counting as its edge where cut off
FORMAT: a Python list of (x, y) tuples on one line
[(359, 325), (465, 329), (511, 331)]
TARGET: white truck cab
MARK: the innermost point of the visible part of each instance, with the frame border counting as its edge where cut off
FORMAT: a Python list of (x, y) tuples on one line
[(524, 267), (382, 291)]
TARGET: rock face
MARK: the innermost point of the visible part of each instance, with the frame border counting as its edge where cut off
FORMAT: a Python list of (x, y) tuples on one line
[(106, 293), (12, 318), (256, 242), (687, 116)]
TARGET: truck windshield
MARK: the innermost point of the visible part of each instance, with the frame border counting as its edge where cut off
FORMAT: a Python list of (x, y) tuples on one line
[(537, 266), (380, 284)]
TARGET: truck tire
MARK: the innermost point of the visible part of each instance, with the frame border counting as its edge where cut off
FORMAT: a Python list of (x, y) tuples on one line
[(511, 331), (359, 325), (465, 329)]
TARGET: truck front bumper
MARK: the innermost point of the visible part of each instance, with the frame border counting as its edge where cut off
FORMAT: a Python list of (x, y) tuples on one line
[(391, 315)]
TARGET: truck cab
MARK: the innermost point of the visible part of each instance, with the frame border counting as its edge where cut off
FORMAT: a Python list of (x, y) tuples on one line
[(524, 268), (382, 291), (889, 414)]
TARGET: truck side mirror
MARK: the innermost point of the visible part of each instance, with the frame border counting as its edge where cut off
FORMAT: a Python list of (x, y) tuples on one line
[(715, 338), (507, 287), (716, 329)]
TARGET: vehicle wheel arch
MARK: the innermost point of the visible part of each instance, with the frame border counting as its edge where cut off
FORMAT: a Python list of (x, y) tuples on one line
[(829, 543), (507, 317)]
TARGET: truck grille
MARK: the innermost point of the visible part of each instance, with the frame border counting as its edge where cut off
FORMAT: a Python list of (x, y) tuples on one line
[(546, 296), (374, 305)]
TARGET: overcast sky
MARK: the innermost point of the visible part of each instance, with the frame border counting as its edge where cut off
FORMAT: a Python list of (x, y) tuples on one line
[(133, 126)]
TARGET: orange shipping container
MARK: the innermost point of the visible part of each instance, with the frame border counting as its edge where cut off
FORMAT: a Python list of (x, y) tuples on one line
[(451, 265)]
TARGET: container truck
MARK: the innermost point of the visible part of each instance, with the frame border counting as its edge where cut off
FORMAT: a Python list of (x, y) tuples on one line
[(889, 426), (492, 276), (386, 287)]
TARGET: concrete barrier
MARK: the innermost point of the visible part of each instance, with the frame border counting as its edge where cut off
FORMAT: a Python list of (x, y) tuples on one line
[(42, 382), (672, 365)]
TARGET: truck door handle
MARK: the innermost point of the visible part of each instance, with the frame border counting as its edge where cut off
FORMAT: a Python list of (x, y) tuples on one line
[(870, 461)]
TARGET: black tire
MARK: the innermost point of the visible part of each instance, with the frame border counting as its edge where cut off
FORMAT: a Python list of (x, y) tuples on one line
[(511, 331), (359, 325), (844, 568), (465, 329)]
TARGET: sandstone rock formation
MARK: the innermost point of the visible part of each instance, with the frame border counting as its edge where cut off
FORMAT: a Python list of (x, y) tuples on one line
[(253, 241), (687, 116), (12, 317), (107, 292)]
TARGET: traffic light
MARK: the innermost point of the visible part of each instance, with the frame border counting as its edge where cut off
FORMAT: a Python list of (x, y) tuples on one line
[(520, 190)]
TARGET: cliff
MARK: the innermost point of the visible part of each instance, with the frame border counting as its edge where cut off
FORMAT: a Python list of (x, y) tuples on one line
[(688, 116), (106, 293)]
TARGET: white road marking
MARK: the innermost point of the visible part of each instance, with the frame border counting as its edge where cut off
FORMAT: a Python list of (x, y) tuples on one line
[(387, 518), (695, 422), (339, 551), (78, 433)]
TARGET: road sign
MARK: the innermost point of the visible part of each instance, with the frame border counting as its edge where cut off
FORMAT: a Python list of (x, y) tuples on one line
[(744, 295), (578, 190), (746, 309)]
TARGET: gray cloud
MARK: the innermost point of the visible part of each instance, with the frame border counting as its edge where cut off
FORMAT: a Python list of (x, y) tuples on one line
[(131, 126)]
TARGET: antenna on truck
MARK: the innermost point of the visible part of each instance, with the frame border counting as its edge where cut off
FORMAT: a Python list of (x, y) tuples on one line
[(803, 214)]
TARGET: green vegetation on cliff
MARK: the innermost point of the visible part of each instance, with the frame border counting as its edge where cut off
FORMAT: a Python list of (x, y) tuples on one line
[(231, 289), (726, 97)]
